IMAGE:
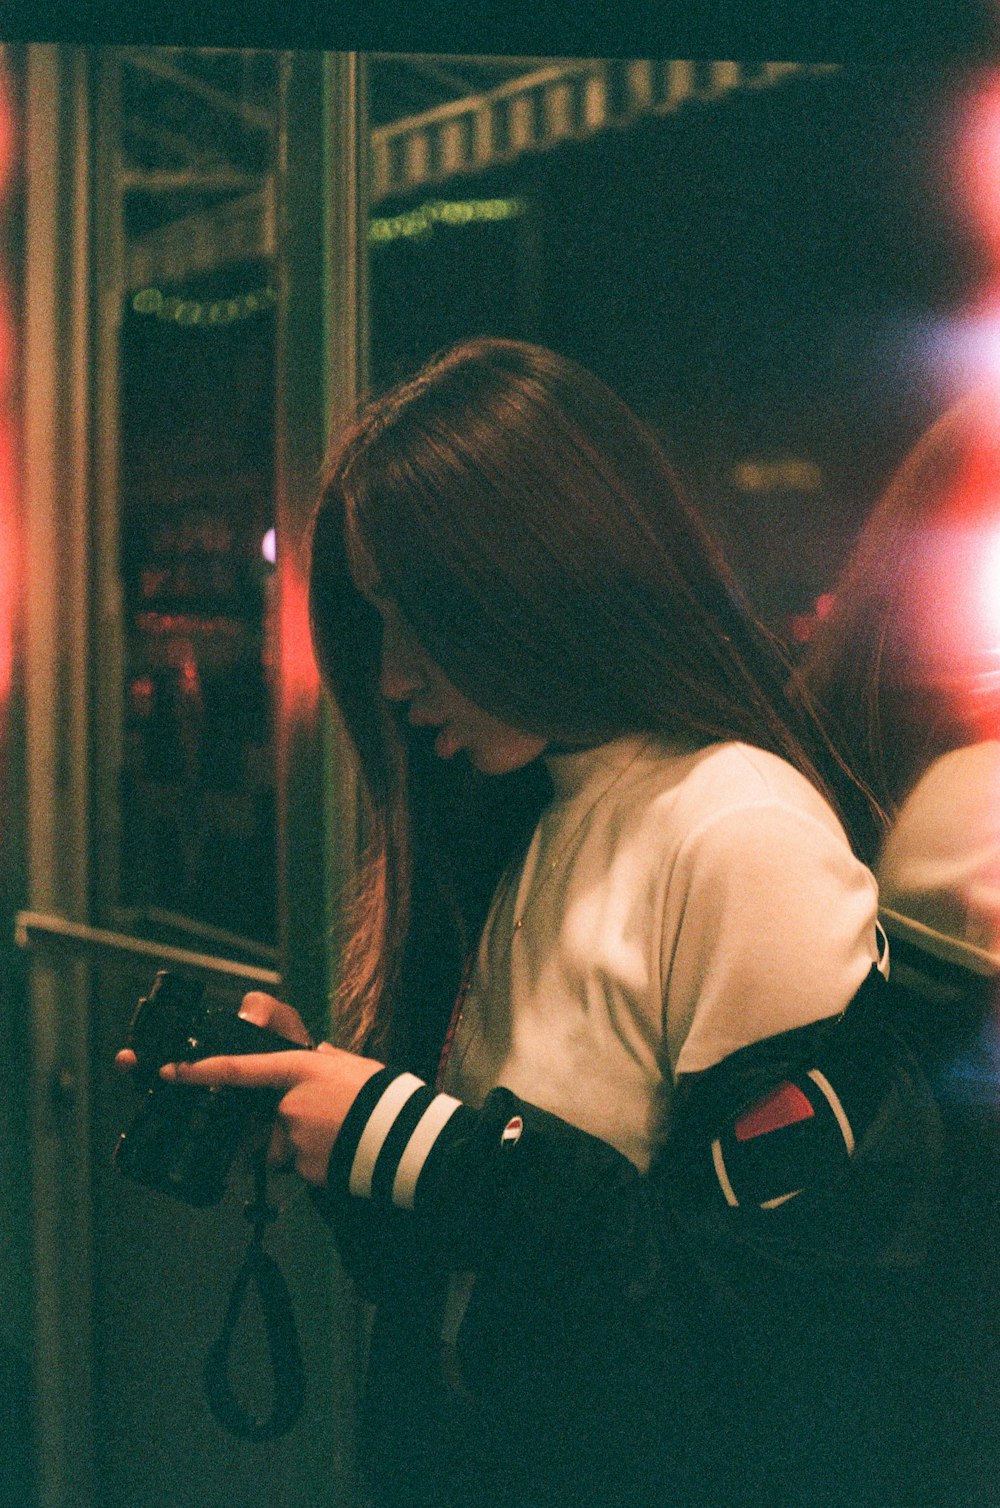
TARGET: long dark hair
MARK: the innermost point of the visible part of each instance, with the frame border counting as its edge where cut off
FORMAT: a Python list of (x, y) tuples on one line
[(544, 555), (901, 666)]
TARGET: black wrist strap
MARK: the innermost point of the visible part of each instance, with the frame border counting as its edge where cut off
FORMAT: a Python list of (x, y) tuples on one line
[(285, 1353)]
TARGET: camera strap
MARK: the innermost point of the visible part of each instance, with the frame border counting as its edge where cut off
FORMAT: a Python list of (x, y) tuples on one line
[(260, 1269)]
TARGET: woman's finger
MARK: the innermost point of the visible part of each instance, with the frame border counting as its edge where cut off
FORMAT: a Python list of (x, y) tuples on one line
[(271, 1070), (264, 1010)]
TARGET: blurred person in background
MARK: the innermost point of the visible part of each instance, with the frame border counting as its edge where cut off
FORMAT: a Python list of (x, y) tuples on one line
[(906, 668)]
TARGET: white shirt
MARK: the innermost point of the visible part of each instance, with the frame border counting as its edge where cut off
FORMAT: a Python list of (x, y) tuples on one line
[(940, 863), (672, 907)]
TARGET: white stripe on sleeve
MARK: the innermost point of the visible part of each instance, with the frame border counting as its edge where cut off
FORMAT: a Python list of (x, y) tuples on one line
[(425, 1134), (722, 1175), (377, 1128), (833, 1100)]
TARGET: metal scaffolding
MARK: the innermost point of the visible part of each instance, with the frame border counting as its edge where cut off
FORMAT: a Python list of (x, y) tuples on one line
[(543, 104)]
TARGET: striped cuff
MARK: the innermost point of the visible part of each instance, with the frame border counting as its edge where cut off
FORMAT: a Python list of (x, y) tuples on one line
[(391, 1132)]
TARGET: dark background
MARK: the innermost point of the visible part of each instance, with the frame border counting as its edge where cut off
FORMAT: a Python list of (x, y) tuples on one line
[(765, 276)]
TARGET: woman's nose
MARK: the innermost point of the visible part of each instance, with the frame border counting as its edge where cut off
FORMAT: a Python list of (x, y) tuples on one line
[(395, 685)]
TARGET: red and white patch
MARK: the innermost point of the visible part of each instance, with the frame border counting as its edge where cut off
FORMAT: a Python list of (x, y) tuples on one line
[(511, 1133), (783, 1106)]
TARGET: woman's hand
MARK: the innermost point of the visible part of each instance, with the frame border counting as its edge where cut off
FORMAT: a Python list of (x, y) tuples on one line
[(259, 1008), (320, 1086), (264, 1010), (319, 1089)]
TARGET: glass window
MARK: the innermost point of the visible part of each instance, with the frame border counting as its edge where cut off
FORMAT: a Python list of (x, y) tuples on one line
[(197, 484)]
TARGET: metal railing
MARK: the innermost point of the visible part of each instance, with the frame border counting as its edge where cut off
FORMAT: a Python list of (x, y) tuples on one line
[(40, 930)]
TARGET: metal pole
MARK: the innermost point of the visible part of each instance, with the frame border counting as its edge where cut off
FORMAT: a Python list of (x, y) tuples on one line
[(320, 352), (55, 499)]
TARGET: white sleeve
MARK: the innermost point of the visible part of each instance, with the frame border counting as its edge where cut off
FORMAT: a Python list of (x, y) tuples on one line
[(941, 860), (769, 925)]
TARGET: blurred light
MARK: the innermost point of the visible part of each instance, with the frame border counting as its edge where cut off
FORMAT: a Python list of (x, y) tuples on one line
[(206, 312), (418, 224), (298, 674), (148, 301), (142, 694), (790, 474), (802, 626), (9, 552), (8, 132), (171, 625), (269, 546), (965, 352), (9, 535), (990, 591), (188, 678), (979, 157)]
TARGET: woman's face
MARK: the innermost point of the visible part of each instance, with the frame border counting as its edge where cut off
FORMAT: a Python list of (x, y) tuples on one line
[(408, 674)]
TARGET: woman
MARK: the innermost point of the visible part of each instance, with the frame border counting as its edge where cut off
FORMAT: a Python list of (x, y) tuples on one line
[(639, 1157), (907, 667)]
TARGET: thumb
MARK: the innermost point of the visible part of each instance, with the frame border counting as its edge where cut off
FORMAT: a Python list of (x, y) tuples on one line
[(264, 1010)]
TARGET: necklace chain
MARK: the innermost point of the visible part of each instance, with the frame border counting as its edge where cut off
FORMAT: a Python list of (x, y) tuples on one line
[(448, 1052), (553, 864)]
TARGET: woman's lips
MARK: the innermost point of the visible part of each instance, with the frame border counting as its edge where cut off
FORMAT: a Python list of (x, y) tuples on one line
[(447, 741)]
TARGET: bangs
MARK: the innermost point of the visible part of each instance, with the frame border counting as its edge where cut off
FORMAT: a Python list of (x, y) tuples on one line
[(360, 561)]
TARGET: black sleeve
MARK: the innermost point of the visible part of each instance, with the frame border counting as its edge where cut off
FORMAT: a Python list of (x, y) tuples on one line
[(816, 1147), (708, 1323)]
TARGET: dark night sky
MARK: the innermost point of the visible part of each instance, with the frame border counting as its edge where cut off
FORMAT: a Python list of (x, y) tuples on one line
[(831, 30), (755, 275)]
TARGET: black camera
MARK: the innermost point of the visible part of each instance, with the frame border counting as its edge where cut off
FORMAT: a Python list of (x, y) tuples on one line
[(185, 1137)]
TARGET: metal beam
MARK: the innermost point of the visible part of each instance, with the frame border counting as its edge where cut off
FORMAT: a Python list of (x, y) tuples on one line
[(570, 99), (551, 102), (156, 65), (44, 932), (188, 180), (172, 141), (239, 230)]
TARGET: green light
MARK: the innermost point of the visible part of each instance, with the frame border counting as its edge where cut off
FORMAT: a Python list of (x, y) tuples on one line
[(189, 311), (418, 224), (148, 301)]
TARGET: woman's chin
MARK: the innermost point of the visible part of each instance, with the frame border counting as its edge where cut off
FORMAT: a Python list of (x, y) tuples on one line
[(493, 759)]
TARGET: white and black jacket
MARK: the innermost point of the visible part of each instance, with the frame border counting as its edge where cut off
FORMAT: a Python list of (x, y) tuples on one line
[(705, 1333)]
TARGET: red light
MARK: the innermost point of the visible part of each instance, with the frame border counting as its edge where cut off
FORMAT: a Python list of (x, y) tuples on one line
[(142, 694), (9, 550), (299, 675), (8, 132), (9, 538), (979, 157), (800, 627), (954, 588), (189, 679), (989, 592)]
